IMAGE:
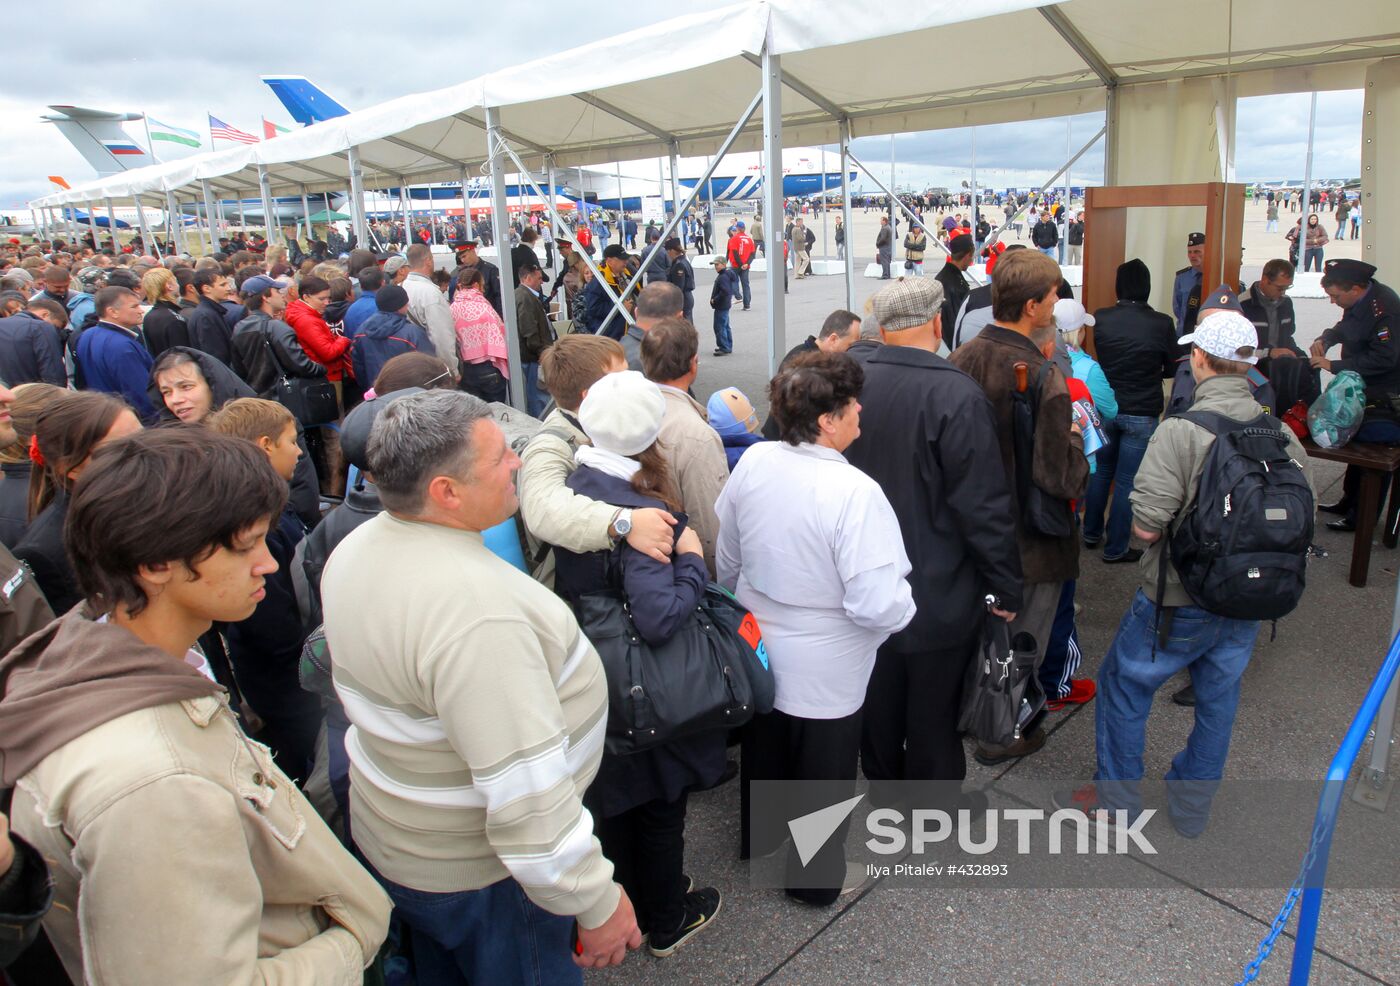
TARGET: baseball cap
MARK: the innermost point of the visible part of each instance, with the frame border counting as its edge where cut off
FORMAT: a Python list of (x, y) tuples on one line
[(1221, 297), (614, 252), (622, 413), (1226, 335), (739, 224), (1070, 315), (907, 303), (259, 283), (731, 413)]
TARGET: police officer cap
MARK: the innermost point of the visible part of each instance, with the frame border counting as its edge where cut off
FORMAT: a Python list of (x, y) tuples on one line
[(1350, 271), (1221, 298), (1196, 239)]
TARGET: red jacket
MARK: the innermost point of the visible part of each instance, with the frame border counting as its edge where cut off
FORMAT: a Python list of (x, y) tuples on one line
[(321, 344), (741, 250)]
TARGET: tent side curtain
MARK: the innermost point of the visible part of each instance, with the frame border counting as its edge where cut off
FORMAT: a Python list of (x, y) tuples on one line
[(888, 69)]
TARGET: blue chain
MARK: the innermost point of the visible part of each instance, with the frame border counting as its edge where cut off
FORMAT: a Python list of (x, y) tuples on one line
[(1266, 946)]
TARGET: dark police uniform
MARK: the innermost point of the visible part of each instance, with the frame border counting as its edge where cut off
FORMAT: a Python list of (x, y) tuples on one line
[(1186, 292), (1369, 334)]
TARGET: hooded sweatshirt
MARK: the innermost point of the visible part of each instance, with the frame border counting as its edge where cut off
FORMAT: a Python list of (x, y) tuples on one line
[(384, 336), (74, 675)]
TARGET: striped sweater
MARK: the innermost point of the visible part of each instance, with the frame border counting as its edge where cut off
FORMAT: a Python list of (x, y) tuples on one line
[(478, 712)]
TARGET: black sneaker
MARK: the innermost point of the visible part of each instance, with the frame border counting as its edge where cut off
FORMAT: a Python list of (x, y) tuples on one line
[(701, 906)]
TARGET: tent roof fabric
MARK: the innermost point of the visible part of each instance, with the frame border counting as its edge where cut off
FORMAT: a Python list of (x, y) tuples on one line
[(617, 99), (327, 217)]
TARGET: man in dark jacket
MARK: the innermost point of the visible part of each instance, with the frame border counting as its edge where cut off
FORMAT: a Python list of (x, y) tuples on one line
[(929, 439), (1046, 235), (1137, 350), (387, 333), (1024, 291), (165, 326), (490, 274), (114, 358), (208, 322), (725, 291), (536, 333), (682, 275), (1268, 306), (524, 252), (30, 351), (884, 247), (953, 280), (265, 348)]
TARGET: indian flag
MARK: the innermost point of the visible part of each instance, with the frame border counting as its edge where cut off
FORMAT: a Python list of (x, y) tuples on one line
[(271, 129), (175, 135)]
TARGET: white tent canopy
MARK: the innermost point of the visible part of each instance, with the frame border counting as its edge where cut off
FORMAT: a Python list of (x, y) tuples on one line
[(679, 86)]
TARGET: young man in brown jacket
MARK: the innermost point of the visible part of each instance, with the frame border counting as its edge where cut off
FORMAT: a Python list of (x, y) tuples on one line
[(1024, 293)]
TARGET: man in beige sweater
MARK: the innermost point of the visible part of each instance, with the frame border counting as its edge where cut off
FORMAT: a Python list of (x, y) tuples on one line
[(478, 714), (694, 451)]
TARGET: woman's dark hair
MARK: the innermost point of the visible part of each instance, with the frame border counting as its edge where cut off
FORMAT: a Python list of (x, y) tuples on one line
[(67, 430), (172, 358), (469, 277), (312, 284), (198, 490), (811, 385), (414, 370), (654, 478)]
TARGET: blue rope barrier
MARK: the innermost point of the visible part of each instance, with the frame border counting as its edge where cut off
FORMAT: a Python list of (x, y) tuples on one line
[(1311, 881)]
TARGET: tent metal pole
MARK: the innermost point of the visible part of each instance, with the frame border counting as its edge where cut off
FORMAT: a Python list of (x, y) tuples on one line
[(145, 230), (826, 255), (306, 214), (845, 139), (976, 202), (72, 226), (675, 175), (997, 231), (112, 226), (668, 228), (357, 197), (913, 216), (772, 95), (208, 213), (92, 225), (549, 197), (621, 209), (172, 219), (518, 398), (269, 216), (893, 182), (242, 219), (407, 208), (37, 217), (1306, 205)]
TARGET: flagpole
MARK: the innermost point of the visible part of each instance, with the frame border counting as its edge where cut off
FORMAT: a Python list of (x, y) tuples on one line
[(150, 144)]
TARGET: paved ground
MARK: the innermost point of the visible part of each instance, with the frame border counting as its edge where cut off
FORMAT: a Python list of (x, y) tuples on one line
[(1299, 695)]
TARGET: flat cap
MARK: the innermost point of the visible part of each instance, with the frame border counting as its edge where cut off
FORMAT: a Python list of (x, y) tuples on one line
[(907, 303)]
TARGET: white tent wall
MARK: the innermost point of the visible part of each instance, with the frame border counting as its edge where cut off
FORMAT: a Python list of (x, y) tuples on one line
[(1164, 134), (1380, 149)]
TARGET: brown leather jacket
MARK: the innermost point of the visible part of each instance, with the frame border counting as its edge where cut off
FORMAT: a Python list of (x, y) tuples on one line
[(1059, 467)]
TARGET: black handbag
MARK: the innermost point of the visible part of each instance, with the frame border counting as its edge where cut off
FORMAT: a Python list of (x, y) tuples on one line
[(712, 674), (1001, 692), (311, 400)]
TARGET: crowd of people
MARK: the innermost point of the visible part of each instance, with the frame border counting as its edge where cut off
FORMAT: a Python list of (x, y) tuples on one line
[(293, 639)]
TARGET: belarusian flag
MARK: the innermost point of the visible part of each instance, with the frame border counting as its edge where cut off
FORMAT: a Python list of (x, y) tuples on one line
[(175, 135), (271, 129)]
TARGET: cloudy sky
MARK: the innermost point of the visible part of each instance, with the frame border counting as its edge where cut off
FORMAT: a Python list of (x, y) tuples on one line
[(123, 61)]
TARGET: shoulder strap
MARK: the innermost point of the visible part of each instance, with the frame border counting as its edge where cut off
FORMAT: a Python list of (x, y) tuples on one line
[(1218, 424)]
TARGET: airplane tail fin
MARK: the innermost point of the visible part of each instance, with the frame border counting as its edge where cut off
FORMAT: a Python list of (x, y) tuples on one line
[(99, 137), (307, 103), (59, 181)]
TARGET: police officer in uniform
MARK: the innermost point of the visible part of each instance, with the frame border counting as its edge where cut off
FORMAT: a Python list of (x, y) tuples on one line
[(1369, 334), (1186, 289)]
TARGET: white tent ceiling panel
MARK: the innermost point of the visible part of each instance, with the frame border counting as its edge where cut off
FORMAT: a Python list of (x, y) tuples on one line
[(936, 64)]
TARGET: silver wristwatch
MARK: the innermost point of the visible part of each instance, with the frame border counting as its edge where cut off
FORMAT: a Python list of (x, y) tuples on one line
[(622, 524)]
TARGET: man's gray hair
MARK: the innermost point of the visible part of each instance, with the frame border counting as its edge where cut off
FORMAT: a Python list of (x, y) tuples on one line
[(420, 437), (419, 255)]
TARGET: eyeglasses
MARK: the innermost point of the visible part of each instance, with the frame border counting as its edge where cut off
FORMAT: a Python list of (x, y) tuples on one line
[(441, 376)]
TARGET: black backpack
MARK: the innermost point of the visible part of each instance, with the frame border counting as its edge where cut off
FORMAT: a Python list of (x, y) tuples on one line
[(1241, 547)]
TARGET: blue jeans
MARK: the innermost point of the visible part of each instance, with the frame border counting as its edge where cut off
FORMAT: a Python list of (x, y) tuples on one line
[(723, 339), (744, 284), (1115, 468), (535, 399), (1312, 259), (1053, 252), (1215, 651), (494, 935)]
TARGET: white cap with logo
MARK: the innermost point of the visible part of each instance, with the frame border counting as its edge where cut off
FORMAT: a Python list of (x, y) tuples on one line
[(1226, 335)]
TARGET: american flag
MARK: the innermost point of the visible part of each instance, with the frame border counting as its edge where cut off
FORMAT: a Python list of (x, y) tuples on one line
[(219, 130)]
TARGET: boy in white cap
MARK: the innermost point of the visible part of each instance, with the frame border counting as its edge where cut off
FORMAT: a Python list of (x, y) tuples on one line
[(1214, 648)]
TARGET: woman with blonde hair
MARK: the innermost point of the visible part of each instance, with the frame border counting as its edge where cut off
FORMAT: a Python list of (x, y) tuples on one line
[(164, 325)]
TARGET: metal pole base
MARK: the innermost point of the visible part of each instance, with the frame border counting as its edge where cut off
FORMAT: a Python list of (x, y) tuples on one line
[(1373, 790)]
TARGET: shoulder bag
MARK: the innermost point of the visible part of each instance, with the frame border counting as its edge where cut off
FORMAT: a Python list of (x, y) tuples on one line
[(311, 400), (711, 674)]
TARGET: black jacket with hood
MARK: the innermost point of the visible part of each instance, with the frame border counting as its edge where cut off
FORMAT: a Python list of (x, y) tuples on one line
[(226, 386), (265, 349)]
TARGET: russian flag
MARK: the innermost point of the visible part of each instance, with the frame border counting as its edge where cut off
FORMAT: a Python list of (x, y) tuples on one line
[(122, 147)]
